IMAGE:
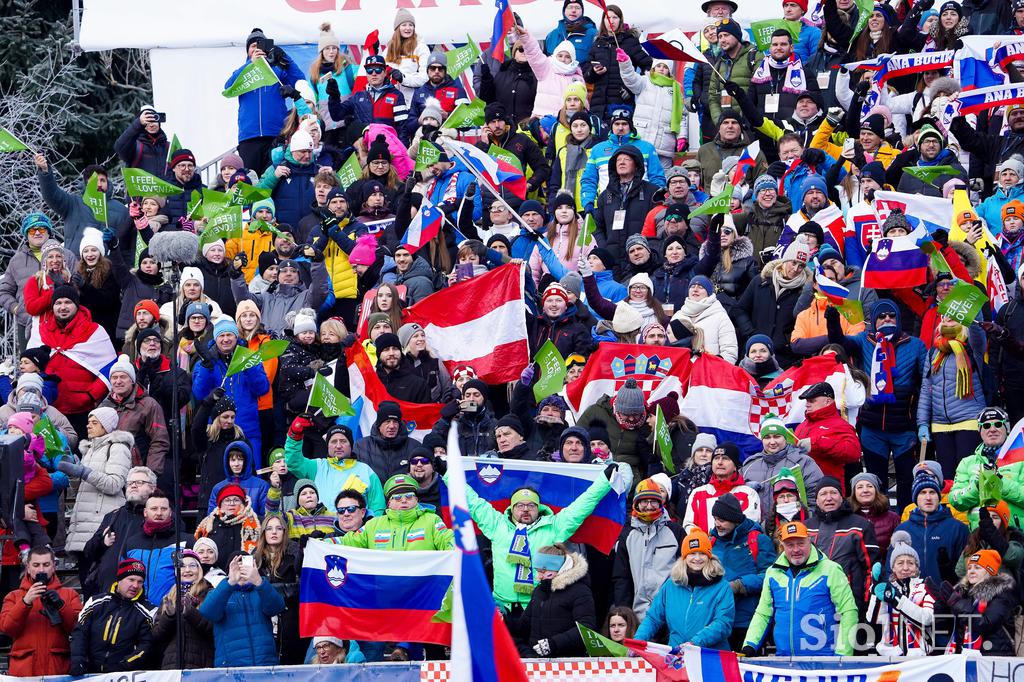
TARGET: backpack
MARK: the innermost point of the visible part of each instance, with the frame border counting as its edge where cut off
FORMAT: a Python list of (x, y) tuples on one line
[(751, 543)]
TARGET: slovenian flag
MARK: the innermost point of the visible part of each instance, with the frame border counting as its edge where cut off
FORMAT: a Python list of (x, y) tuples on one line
[(494, 173), (424, 227), (503, 22), (372, 595), (1012, 451), (897, 262), (975, 66), (711, 665), (560, 484), (748, 159)]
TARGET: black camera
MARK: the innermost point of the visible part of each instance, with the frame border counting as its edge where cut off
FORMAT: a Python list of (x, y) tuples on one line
[(51, 601), (161, 117), (268, 48)]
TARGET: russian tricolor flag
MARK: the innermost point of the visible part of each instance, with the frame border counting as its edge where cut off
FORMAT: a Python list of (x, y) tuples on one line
[(832, 290), (494, 173), (367, 594), (711, 665), (1012, 450), (424, 227), (503, 21), (748, 159), (560, 484)]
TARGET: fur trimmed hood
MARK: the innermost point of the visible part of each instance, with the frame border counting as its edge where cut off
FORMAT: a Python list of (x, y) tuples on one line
[(575, 574), (991, 588), (969, 255), (741, 248)]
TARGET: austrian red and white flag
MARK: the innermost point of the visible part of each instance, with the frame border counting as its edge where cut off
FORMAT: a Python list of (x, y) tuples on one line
[(479, 322)]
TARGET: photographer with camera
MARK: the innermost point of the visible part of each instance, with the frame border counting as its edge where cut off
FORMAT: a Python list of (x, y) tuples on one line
[(39, 617), (261, 112), (144, 144), (476, 420)]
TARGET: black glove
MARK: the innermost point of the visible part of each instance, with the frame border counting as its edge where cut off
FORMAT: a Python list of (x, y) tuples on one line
[(748, 651), (333, 91), (831, 313), (732, 88), (288, 92), (693, 105), (777, 169), (941, 237), (397, 76), (56, 276), (348, 341), (205, 358), (859, 160), (326, 371), (450, 409), (471, 190), (77, 280), (813, 157), (947, 566), (610, 470), (862, 88), (218, 393), (318, 534)]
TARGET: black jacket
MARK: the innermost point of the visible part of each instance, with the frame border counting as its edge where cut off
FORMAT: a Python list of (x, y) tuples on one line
[(567, 333), (135, 287), (177, 205), (104, 302), (155, 378), (290, 647), (609, 89), (849, 540), (197, 631), (113, 634), (635, 199), (988, 608), (526, 150), (217, 284), (385, 455), (513, 84), (208, 455), (554, 609), (476, 431), (404, 383), (125, 522)]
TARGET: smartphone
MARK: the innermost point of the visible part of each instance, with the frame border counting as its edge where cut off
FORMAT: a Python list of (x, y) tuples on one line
[(266, 44), (248, 560), (848, 145), (464, 272)]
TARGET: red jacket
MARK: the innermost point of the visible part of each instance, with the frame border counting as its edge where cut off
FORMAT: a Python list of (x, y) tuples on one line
[(41, 484), (79, 389), (39, 648), (834, 442), (38, 301)]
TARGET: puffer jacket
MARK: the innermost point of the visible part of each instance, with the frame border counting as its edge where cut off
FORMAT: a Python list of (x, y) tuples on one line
[(21, 266), (849, 540), (551, 85), (610, 88), (197, 632), (113, 634), (76, 216), (702, 613), (157, 552), (555, 608), (137, 148), (991, 209), (109, 458), (177, 204), (418, 281), (385, 455), (598, 172), (746, 554), (261, 112), (567, 333), (137, 286), (476, 431), (635, 200), (744, 266), (644, 555), (252, 242), (79, 389), (834, 442), (771, 314), (331, 475), (244, 387), (511, 83), (965, 495), (292, 195), (217, 284), (764, 226), (672, 281), (581, 34), (938, 403), (652, 115), (38, 647), (285, 298), (243, 633), (987, 614), (935, 536), (817, 593), (710, 317), (336, 245), (763, 466), (255, 488)]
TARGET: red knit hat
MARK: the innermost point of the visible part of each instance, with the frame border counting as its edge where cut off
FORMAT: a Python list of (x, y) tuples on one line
[(130, 567), (148, 305), (802, 3), (229, 490)]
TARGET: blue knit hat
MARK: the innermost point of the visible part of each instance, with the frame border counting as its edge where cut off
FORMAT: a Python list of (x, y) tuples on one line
[(759, 338), (885, 305), (813, 181), (702, 281), (198, 308), (35, 220), (224, 327), (923, 482), (765, 182), (532, 205), (264, 203)]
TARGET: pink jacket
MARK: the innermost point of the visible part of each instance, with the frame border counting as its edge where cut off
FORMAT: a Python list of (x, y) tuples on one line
[(550, 85), (399, 154), (558, 246)]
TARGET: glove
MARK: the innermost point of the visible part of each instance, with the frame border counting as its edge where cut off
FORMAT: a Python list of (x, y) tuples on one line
[(947, 566), (349, 340), (72, 469), (583, 266), (135, 209), (748, 651), (945, 591), (450, 409), (922, 433), (333, 91), (624, 470), (299, 426), (312, 254), (542, 647), (813, 157), (941, 237), (471, 190), (77, 280), (397, 76), (777, 169), (318, 534), (733, 89), (621, 56), (804, 443), (835, 115), (325, 371), (887, 593), (831, 313), (527, 376), (681, 144), (924, 5), (110, 237), (862, 88), (204, 355), (288, 92), (876, 572), (218, 393), (141, 223), (56, 276), (187, 225), (693, 105)]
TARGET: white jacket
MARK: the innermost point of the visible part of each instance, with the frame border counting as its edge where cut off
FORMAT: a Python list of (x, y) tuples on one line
[(414, 68), (906, 627), (711, 318), (652, 117), (109, 458)]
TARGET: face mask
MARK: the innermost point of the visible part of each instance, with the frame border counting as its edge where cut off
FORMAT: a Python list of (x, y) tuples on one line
[(788, 510), (887, 329), (647, 516)]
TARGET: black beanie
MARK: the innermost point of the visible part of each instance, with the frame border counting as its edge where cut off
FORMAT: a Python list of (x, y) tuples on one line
[(379, 150), (598, 431), (728, 508), (730, 450), (388, 409), (477, 384), (512, 422), (387, 340), (38, 356), (813, 228), (143, 335), (265, 260), (65, 291), (605, 256)]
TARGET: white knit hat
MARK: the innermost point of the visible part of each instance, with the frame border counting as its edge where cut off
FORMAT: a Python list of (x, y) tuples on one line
[(193, 273), (301, 141), (626, 319), (303, 323), (327, 38), (209, 245), (797, 251), (91, 237), (107, 417), (123, 364), (642, 278)]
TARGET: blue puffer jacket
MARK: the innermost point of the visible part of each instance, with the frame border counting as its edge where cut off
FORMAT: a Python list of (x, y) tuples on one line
[(245, 388), (242, 631), (701, 614), (937, 402), (157, 551), (262, 111), (293, 196), (582, 37), (595, 174), (991, 210), (807, 43), (932, 533), (735, 553), (256, 488)]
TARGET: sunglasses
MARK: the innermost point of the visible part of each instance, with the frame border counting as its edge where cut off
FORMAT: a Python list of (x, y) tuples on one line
[(419, 460), (886, 316), (351, 509), (374, 70), (37, 230), (728, 230), (404, 496), (437, 68), (992, 425)]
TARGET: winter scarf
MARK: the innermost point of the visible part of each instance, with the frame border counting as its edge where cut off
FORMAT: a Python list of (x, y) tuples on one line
[(953, 339), (519, 554), (630, 422), (677, 99), (883, 361), (782, 284), (151, 528), (247, 518), (794, 82), (693, 308)]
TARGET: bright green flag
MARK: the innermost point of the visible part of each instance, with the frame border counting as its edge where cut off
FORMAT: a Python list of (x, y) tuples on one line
[(864, 10), (552, 371), (243, 194), (852, 310), (139, 183), (763, 30), (795, 474), (461, 58), (255, 75), (587, 233), (505, 155), (207, 203), (51, 436), (720, 204), (225, 222), (95, 199), (272, 349), (174, 146), (664, 440), (242, 359), (427, 155), (350, 171), (599, 645), (963, 303), (466, 115), (990, 488), (9, 143), (330, 401), (928, 174)]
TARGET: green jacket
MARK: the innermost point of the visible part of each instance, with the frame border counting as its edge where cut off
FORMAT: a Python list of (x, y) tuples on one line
[(739, 71), (333, 474), (399, 531), (548, 529), (965, 495)]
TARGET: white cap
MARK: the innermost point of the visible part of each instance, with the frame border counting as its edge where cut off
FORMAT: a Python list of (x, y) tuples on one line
[(193, 273), (91, 237)]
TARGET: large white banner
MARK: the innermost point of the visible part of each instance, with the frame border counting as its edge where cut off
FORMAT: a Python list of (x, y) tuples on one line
[(110, 24)]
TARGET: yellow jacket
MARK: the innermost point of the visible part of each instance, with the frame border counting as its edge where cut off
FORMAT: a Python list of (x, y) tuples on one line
[(822, 140), (252, 243)]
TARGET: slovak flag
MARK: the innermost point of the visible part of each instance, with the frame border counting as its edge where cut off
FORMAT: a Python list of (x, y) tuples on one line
[(1012, 451), (482, 649), (835, 293), (503, 21), (748, 159), (494, 173), (423, 227), (897, 262)]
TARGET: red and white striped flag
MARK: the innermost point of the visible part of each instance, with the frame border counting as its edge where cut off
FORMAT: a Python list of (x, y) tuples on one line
[(480, 322)]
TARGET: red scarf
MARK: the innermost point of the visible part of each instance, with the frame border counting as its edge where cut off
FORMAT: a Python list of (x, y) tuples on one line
[(151, 528)]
